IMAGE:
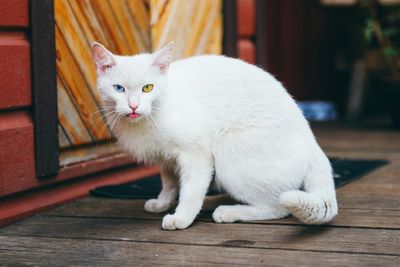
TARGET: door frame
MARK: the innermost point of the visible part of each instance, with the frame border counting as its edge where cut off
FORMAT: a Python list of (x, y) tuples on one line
[(43, 63)]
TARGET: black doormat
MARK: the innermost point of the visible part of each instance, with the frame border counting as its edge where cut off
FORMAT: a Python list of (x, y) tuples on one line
[(345, 171), (349, 170)]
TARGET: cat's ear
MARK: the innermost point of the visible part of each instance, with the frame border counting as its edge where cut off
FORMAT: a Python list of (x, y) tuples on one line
[(103, 58), (162, 58)]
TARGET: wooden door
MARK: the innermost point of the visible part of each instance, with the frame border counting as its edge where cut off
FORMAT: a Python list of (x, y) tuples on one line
[(125, 27)]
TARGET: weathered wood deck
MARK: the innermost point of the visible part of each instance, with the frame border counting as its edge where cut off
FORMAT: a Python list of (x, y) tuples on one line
[(110, 232)]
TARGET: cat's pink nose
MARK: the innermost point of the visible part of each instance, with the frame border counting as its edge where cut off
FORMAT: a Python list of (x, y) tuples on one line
[(133, 107)]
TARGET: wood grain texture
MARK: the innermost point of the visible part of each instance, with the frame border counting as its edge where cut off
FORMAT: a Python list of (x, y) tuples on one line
[(111, 26), (69, 118), (76, 42), (354, 217), (15, 70), (339, 138), (14, 13), (139, 10), (75, 81), (50, 251), (104, 163), (90, 25), (83, 154), (306, 238), (84, 100), (128, 27), (202, 33), (17, 160), (64, 141), (122, 26), (383, 182)]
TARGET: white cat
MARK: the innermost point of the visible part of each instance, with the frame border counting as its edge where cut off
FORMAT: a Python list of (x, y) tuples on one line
[(209, 114)]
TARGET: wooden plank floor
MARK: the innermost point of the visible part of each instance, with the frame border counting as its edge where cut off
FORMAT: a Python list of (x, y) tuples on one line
[(112, 232)]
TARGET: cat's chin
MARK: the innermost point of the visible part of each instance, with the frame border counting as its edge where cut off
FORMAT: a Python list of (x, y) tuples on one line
[(133, 120)]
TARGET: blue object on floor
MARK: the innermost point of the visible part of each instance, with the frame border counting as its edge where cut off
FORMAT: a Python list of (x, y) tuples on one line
[(318, 110)]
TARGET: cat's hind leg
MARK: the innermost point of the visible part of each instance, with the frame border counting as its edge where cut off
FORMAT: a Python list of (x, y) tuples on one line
[(233, 213), (169, 191)]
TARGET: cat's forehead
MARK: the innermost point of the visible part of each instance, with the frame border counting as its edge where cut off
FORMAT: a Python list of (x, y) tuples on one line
[(133, 67)]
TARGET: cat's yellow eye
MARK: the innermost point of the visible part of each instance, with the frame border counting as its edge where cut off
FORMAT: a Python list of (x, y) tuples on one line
[(147, 88)]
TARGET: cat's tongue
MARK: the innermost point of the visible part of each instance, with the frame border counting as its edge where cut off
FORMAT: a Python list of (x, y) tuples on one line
[(134, 115)]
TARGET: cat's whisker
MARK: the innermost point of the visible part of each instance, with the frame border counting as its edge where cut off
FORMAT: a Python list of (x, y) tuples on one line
[(112, 124), (152, 122), (101, 118), (100, 109), (106, 125), (111, 118), (108, 113)]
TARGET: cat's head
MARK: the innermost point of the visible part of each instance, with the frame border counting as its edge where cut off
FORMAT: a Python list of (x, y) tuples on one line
[(130, 86)]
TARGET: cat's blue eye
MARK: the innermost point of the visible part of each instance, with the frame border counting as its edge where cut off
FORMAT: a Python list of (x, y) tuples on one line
[(119, 88)]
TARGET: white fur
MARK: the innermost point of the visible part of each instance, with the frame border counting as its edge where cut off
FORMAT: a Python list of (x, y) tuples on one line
[(214, 113)]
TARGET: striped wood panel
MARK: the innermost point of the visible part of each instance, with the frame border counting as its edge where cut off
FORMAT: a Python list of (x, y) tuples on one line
[(125, 27), (122, 26), (194, 26)]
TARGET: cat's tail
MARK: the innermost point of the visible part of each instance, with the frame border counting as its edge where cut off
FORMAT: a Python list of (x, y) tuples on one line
[(317, 203)]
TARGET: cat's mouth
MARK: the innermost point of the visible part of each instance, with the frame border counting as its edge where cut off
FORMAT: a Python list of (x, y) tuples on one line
[(133, 115)]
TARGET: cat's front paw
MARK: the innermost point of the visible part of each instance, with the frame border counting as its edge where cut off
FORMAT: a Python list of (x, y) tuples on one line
[(174, 222), (156, 206)]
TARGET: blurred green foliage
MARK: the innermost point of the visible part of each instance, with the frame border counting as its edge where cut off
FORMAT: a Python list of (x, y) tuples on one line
[(382, 28)]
